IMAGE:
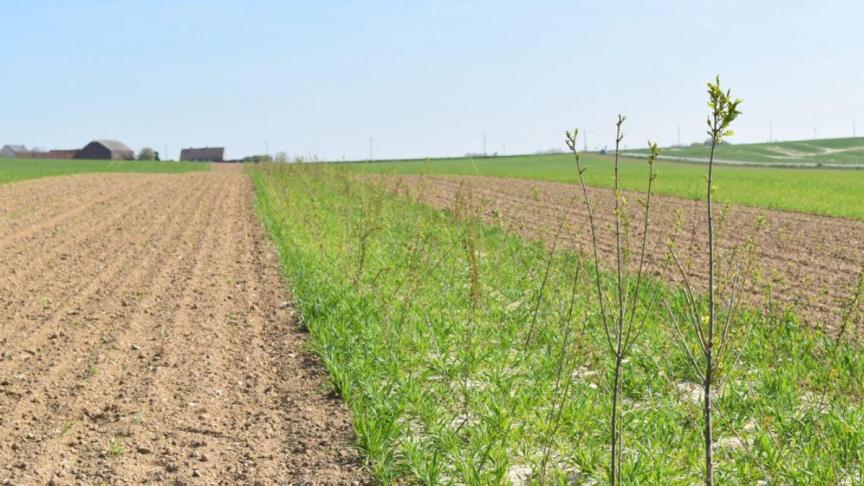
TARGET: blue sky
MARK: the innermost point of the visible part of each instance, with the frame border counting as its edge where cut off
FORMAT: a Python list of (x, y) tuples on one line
[(420, 78)]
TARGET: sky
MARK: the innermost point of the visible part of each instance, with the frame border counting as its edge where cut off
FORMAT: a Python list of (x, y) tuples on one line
[(421, 79)]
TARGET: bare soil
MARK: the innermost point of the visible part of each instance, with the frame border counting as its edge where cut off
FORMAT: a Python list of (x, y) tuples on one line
[(146, 337), (810, 263)]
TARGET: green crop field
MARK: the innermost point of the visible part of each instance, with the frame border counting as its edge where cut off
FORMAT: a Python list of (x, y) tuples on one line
[(12, 170), (822, 151), (817, 191), (469, 356)]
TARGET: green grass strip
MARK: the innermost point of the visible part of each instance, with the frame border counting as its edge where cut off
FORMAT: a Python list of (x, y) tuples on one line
[(427, 345), (12, 170)]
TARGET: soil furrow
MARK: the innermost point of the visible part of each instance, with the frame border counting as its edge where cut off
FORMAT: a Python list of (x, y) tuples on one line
[(41, 224), (147, 341), (60, 193), (50, 257), (102, 400), (51, 364), (93, 263)]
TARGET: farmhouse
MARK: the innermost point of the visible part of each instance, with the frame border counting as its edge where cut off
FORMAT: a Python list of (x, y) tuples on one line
[(13, 151), (106, 150), (204, 154)]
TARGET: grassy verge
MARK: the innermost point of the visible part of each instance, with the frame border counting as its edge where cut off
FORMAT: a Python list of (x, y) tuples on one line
[(12, 170), (460, 365), (825, 192)]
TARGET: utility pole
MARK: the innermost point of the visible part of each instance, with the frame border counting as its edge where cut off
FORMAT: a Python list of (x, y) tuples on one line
[(853, 129), (484, 144), (164, 155), (585, 140), (679, 135), (503, 148), (370, 150), (815, 136), (267, 148), (770, 132)]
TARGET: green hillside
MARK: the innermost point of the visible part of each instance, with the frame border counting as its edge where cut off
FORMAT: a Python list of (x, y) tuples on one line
[(825, 151)]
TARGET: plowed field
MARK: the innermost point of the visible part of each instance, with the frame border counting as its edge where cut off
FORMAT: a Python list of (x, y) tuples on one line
[(810, 261), (145, 336)]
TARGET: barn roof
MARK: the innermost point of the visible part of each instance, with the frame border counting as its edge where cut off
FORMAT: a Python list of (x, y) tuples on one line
[(203, 153), (113, 145), (16, 148)]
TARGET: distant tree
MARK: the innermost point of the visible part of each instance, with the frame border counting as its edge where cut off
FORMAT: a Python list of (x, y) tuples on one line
[(258, 158), (147, 153), (309, 157)]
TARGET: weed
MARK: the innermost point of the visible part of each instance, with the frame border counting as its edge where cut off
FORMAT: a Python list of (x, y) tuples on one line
[(67, 427), (90, 372), (115, 447)]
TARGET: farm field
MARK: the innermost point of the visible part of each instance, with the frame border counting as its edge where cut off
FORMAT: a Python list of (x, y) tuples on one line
[(836, 151), (825, 192), (813, 261), (341, 282), (20, 169), (148, 337), (145, 338), (469, 354)]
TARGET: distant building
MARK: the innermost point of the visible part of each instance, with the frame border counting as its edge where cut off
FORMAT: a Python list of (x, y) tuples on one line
[(204, 154), (106, 150), (13, 151), (62, 154)]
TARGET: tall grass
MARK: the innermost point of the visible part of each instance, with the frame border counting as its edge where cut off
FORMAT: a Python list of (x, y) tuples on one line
[(468, 355)]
